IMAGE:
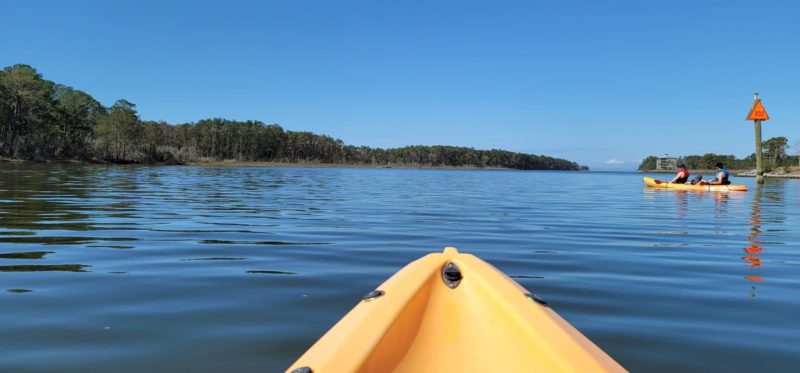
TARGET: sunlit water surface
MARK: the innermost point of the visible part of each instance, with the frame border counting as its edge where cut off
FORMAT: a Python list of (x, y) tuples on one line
[(129, 269)]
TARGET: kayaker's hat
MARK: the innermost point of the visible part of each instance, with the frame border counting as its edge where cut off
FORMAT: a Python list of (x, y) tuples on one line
[(719, 164), (681, 165)]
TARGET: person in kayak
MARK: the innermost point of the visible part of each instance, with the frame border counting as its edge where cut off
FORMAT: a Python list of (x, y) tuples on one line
[(683, 175), (723, 176)]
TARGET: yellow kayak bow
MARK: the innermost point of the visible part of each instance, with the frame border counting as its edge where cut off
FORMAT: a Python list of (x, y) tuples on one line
[(452, 312)]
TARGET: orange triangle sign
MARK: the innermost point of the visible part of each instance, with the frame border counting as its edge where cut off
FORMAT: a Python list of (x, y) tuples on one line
[(758, 112)]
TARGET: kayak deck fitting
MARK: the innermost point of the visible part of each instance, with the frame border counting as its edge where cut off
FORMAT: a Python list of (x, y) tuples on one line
[(655, 183), (452, 312)]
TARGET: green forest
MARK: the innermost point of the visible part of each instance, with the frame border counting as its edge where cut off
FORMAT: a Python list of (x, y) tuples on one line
[(775, 159), (44, 121)]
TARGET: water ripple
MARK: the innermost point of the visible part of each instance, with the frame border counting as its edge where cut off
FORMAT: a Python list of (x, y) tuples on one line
[(244, 267)]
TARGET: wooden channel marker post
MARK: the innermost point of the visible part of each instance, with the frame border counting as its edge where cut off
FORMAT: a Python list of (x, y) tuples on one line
[(757, 114)]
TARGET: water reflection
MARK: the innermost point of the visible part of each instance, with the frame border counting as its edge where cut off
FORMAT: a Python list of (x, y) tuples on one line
[(41, 200), (721, 206), (269, 272), (682, 202), (754, 250), (26, 255), (691, 207), (44, 268), (55, 240), (270, 243), (290, 249)]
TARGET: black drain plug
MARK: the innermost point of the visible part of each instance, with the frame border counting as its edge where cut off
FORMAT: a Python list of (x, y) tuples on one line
[(451, 275)]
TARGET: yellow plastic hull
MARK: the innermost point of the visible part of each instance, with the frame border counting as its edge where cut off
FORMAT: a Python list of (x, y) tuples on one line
[(649, 181), (487, 323)]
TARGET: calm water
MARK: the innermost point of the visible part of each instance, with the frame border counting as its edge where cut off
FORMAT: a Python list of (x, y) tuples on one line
[(128, 269)]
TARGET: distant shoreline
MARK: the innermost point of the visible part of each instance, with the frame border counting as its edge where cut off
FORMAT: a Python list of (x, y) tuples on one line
[(211, 163), (271, 164), (335, 165)]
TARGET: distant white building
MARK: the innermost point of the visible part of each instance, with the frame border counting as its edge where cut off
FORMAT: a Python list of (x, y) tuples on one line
[(667, 162)]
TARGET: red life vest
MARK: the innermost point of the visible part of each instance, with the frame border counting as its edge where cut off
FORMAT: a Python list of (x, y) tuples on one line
[(683, 176)]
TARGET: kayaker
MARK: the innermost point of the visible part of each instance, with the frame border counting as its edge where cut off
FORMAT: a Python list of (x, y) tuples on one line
[(722, 178), (683, 175)]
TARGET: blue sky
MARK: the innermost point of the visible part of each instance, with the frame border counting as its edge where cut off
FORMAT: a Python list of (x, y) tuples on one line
[(602, 83)]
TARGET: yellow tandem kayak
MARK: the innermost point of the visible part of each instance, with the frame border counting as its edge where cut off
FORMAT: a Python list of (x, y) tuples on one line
[(452, 312), (655, 183)]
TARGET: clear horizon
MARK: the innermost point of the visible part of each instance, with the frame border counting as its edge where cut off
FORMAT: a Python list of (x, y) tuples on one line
[(601, 84)]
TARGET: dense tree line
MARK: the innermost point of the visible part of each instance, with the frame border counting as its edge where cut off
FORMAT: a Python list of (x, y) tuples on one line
[(775, 156), (42, 120)]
